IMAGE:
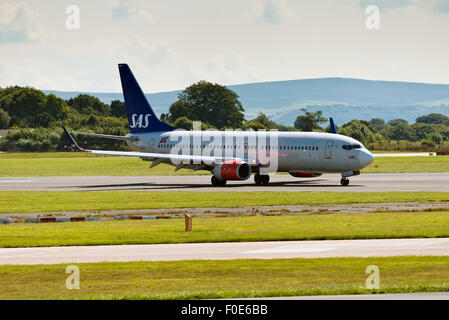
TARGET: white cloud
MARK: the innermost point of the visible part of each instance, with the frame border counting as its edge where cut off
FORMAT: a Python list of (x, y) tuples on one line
[(124, 11), (441, 6), (159, 53), (272, 11), (388, 4), (151, 54), (19, 23)]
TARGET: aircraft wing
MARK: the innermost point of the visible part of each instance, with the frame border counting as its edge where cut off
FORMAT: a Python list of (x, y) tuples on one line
[(199, 160), (155, 156)]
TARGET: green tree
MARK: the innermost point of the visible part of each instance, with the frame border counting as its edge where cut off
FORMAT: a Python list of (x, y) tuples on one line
[(4, 119), (401, 131), (433, 140), (263, 119), (118, 109), (29, 107), (433, 118), (309, 121), (378, 124), (359, 130), (396, 122), (210, 103), (254, 125), (183, 123), (53, 109), (261, 122), (23, 105), (86, 104), (422, 130)]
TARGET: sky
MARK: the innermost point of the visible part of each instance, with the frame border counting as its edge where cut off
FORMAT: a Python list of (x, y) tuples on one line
[(170, 44)]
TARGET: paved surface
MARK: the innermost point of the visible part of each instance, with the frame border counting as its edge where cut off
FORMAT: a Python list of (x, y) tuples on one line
[(226, 251), (363, 183), (395, 296)]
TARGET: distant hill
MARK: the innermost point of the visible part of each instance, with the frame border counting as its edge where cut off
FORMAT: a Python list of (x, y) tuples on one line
[(344, 99)]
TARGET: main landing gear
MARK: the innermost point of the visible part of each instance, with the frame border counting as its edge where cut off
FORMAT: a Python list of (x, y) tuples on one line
[(218, 183), (261, 180), (344, 182)]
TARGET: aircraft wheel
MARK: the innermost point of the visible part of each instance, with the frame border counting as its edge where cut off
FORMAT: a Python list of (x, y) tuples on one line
[(344, 182), (265, 180), (261, 180), (218, 183)]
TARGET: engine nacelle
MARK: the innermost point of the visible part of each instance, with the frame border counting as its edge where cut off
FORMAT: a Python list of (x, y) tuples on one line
[(232, 170), (305, 174)]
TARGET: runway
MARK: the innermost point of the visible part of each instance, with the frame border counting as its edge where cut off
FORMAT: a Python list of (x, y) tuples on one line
[(226, 251), (372, 182), (391, 296)]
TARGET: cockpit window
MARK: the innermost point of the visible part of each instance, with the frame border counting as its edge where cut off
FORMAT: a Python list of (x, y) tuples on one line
[(352, 146)]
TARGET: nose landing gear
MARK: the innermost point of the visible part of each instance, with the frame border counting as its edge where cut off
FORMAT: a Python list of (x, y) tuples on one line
[(345, 175)]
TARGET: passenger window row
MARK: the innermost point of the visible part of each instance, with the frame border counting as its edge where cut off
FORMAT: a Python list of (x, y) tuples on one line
[(305, 148)]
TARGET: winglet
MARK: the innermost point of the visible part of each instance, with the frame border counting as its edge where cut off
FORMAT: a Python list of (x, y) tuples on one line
[(73, 144), (332, 125)]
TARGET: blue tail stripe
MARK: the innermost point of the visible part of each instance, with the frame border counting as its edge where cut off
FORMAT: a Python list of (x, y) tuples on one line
[(332, 125), (141, 116)]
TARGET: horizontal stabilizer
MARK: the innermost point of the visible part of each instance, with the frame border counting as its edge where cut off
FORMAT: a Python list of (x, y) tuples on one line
[(106, 136), (73, 144)]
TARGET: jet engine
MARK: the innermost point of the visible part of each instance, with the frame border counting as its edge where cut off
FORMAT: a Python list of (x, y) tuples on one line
[(305, 174), (232, 170)]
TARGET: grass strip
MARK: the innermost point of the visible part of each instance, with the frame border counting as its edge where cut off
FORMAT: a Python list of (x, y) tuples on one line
[(408, 165), (85, 164), (376, 225), (225, 279), (96, 201)]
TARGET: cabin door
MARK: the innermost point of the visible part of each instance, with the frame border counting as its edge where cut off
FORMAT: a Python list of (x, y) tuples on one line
[(328, 151)]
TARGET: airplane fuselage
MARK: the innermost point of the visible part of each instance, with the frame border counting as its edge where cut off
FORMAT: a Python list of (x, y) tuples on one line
[(295, 151)]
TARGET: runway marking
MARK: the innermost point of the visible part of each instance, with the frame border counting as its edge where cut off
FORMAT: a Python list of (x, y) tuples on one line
[(356, 244), (16, 181)]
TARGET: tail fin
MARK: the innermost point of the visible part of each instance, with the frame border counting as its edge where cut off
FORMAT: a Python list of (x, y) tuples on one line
[(332, 126), (141, 116)]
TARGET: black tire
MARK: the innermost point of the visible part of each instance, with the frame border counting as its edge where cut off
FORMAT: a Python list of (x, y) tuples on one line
[(261, 180), (266, 180), (218, 183), (344, 182), (215, 182)]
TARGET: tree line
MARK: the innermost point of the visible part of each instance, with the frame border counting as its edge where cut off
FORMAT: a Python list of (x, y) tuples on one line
[(38, 119)]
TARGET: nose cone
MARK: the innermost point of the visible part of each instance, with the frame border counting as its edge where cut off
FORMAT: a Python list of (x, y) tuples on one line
[(365, 158)]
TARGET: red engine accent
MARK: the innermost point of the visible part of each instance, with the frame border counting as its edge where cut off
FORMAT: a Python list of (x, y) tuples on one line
[(232, 170), (305, 174)]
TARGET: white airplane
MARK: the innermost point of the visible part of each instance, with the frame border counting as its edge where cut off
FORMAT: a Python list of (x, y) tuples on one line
[(233, 155)]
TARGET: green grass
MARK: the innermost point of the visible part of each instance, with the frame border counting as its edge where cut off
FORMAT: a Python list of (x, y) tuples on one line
[(377, 225), (80, 164), (95, 201), (225, 279), (84, 164), (408, 164)]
